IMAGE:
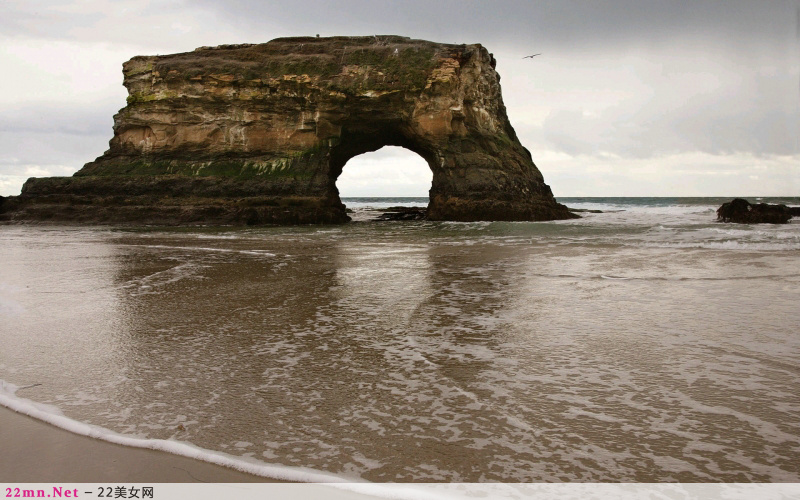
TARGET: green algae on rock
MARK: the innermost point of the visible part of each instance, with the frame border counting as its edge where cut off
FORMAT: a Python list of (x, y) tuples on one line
[(259, 133)]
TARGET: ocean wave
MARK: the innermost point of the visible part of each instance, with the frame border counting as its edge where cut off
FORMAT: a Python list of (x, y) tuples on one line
[(260, 253), (773, 232), (724, 245)]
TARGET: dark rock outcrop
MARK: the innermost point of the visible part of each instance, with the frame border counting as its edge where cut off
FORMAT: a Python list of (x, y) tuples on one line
[(260, 133), (742, 212), (403, 213), (585, 210)]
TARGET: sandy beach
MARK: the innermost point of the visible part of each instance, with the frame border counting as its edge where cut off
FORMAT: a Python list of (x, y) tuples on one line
[(36, 452)]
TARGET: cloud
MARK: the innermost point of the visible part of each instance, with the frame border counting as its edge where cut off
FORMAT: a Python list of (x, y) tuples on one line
[(45, 139), (566, 24), (684, 174), (153, 25), (600, 22), (21, 148), (656, 102), (393, 171), (64, 73), (12, 179), (57, 118), (678, 116)]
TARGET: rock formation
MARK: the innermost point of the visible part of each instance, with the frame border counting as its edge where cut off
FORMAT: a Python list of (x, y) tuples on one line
[(402, 213), (260, 133), (742, 212)]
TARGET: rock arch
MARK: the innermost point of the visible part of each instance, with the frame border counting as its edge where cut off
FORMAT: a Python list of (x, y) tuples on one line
[(259, 134)]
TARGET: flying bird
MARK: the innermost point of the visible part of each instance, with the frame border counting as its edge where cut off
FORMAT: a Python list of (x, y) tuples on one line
[(526, 57)]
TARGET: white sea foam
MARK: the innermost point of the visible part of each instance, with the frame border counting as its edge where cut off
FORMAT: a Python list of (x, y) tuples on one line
[(725, 245), (54, 416), (261, 253), (237, 236)]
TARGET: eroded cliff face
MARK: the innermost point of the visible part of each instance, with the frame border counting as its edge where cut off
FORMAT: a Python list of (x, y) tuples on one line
[(259, 134)]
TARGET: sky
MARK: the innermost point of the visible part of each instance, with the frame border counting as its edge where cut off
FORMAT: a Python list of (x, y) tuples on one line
[(628, 97)]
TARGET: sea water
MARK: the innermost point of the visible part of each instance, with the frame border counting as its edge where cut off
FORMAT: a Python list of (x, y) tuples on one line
[(645, 343)]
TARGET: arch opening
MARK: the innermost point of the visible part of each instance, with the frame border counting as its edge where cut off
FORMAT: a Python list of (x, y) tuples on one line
[(391, 171), (390, 176)]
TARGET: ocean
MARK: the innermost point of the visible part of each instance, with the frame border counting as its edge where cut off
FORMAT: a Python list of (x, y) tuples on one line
[(646, 343)]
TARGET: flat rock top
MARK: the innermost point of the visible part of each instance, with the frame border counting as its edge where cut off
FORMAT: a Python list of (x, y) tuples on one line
[(339, 50), (309, 45), (397, 57)]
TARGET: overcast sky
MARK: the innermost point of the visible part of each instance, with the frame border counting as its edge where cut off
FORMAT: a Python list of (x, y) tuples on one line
[(629, 98)]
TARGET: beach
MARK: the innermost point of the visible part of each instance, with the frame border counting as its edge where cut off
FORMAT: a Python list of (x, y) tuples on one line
[(36, 452), (644, 343)]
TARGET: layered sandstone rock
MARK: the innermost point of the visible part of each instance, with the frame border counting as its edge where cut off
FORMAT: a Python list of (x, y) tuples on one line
[(260, 133)]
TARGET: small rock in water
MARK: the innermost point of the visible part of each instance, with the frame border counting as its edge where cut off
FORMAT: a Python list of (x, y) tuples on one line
[(403, 213), (741, 211), (584, 210)]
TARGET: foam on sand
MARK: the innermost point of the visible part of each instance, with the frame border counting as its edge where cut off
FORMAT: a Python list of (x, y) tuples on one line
[(53, 416)]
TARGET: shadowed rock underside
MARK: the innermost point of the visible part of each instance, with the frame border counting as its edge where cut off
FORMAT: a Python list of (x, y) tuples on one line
[(260, 133)]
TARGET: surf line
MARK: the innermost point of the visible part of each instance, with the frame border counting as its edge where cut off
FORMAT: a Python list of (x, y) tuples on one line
[(53, 416)]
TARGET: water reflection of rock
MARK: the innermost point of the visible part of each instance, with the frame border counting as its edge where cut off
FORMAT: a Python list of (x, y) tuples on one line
[(69, 336), (217, 313)]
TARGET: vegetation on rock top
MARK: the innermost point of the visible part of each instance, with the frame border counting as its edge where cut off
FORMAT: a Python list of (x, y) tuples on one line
[(387, 64)]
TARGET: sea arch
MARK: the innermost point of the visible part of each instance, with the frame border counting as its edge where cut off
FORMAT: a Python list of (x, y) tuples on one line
[(259, 133)]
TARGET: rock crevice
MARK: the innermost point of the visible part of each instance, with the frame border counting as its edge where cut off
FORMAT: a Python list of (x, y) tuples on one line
[(260, 133)]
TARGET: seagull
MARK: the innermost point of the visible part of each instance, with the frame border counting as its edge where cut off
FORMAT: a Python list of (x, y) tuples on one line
[(526, 57)]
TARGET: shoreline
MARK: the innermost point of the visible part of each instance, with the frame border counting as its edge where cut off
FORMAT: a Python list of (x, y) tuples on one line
[(34, 451)]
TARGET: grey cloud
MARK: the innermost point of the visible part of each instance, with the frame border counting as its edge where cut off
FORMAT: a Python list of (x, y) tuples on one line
[(764, 132), (502, 24), (20, 150), (758, 115), (568, 24), (41, 133), (59, 118), (50, 20), (164, 26)]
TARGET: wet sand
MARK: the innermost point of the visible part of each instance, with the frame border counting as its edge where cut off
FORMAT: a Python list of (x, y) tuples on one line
[(36, 452), (641, 347)]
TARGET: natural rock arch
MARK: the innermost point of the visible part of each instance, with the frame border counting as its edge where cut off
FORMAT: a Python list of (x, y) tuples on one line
[(259, 134)]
